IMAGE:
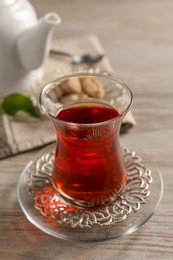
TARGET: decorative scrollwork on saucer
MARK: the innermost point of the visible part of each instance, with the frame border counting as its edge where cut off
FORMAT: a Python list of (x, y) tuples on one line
[(50, 203)]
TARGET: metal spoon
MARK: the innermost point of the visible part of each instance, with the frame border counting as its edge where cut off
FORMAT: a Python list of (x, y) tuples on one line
[(78, 59)]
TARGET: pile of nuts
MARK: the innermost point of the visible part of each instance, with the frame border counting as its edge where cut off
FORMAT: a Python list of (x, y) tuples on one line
[(77, 88)]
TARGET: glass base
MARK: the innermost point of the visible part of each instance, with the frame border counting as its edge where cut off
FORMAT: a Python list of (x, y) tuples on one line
[(46, 209)]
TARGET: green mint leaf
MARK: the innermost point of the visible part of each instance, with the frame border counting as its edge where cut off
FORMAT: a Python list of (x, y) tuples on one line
[(13, 103), (1, 110)]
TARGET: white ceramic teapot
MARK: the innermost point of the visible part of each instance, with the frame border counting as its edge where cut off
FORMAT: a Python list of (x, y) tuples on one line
[(24, 43)]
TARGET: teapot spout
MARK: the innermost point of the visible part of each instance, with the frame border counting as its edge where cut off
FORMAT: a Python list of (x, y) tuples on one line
[(34, 43)]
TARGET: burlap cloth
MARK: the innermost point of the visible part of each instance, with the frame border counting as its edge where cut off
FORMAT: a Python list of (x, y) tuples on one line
[(18, 136)]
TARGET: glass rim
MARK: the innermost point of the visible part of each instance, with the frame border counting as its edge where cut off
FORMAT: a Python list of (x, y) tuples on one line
[(95, 100)]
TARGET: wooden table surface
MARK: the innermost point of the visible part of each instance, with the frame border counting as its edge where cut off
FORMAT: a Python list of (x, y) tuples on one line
[(137, 37)]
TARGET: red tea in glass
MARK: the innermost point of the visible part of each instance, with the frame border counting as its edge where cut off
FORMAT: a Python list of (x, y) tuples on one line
[(89, 169)]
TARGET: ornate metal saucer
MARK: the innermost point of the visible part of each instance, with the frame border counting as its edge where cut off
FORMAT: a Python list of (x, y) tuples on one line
[(46, 209)]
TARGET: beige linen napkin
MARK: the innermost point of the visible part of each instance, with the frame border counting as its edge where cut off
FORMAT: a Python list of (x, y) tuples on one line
[(17, 136)]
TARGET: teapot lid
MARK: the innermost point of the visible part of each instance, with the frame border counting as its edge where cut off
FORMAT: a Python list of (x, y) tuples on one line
[(4, 3)]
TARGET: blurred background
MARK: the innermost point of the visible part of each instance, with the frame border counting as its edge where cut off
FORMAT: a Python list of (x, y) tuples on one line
[(136, 35)]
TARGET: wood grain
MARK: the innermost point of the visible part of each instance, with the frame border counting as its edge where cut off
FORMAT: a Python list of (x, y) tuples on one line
[(138, 39)]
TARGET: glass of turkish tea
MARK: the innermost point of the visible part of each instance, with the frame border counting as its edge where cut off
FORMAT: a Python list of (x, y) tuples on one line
[(89, 169)]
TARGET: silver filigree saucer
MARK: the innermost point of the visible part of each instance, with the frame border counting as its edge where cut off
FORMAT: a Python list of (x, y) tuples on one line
[(46, 209), (49, 202)]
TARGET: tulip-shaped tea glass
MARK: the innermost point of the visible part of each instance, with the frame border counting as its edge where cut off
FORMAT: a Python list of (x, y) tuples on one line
[(89, 169)]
